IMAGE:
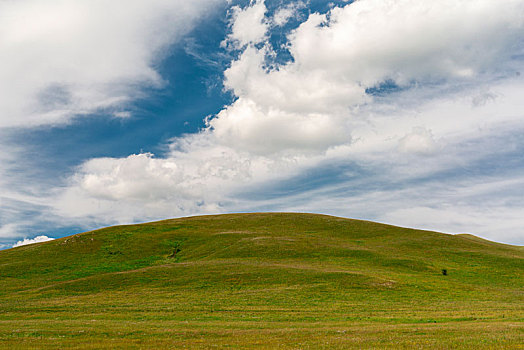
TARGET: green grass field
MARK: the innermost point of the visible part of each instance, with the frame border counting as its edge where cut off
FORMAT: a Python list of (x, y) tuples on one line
[(297, 281)]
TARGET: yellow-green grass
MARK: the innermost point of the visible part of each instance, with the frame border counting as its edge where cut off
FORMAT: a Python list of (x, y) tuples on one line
[(270, 280)]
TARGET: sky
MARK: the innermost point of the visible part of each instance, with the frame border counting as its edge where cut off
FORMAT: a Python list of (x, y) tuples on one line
[(405, 112)]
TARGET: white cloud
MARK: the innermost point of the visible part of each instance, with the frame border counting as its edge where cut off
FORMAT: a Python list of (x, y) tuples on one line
[(337, 56), (198, 176), (284, 14), (67, 58), (37, 239), (248, 25), (373, 40), (265, 130), (420, 140), (367, 42)]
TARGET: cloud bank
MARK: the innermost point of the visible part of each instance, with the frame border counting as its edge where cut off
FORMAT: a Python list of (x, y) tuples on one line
[(400, 111), (318, 107), (63, 59)]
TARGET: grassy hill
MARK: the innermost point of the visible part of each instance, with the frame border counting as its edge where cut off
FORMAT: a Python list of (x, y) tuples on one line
[(262, 281)]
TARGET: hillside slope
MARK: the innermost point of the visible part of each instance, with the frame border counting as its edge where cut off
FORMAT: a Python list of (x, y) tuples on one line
[(270, 280)]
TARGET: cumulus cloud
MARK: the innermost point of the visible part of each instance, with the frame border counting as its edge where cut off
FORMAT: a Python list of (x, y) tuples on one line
[(420, 140), (373, 40), (67, 58), (266, 130), (339, 55), (249, 25), (37, 239), (284, 14), (197, 176)]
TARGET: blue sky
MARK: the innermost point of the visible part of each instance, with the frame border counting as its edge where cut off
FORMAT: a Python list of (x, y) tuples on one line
[(405, 112)]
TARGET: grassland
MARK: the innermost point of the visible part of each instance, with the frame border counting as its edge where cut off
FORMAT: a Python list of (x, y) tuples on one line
[(297, 281)]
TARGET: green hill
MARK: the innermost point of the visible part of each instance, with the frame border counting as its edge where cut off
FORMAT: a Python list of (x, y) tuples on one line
[(262, 281)]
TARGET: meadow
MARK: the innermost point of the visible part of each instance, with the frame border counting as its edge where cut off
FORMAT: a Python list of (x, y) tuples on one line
[(265, 281)]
